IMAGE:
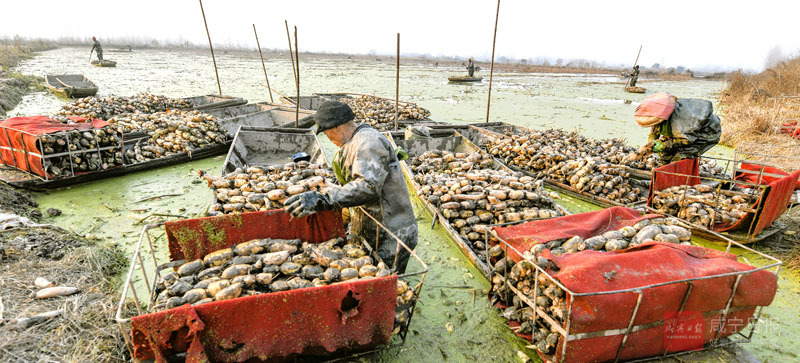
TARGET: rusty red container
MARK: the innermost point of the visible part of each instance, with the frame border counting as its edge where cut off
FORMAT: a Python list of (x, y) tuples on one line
[(343, 317)]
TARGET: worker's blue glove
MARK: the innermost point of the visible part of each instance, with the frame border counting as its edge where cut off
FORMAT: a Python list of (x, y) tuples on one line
[(307, 203)]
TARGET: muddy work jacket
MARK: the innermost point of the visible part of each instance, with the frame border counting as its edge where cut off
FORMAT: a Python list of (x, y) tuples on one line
[(370, 172)]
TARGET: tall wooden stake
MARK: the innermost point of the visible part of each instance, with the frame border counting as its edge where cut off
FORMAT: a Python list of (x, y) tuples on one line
[(289, 38), (262, 64), (397, 86), (297, 80), (214, 59), (491, 69)]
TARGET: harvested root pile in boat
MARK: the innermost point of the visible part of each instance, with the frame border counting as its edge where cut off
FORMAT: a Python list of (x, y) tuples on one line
[(263, 188), (594, 176), (472, 199), (107, 107), (541, 150), (90, 150), (703, 205), (262, 266), (171, 132), (709, 167), (547, 295), (379, 112)]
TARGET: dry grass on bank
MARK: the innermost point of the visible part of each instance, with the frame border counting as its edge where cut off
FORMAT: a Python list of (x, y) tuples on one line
[(755, 106), (85, 331)]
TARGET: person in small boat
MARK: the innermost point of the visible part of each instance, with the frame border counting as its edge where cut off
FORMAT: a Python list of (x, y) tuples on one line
[(368, 169), (634, 76), (679, 128), (96, 47), (470, 68)]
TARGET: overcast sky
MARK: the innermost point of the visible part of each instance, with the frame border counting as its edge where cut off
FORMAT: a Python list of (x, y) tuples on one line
[(695, 34)]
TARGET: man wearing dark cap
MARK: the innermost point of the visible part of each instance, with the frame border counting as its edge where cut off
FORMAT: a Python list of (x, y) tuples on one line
[(96, 47), (369, 171)]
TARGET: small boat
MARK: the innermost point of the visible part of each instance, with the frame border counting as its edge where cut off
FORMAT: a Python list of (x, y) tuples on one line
[(459, 79), (71, 85), (208, 102), (104, 63), (264, 146), (635, 89)]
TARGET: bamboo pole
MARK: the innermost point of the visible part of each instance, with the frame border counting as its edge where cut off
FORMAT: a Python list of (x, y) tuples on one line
[(289, 38), (214, 59), (397, 86), (262, 64), (637, 56), (491, 69), (297, 81)]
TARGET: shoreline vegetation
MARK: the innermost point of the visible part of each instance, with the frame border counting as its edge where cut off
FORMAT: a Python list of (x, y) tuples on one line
[(755, 106)]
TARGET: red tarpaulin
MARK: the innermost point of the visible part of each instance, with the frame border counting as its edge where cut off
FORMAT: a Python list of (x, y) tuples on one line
[(756, 176), (665, 176), (19, 136), (316, 320), (526, 235), (770, 205), (647, 264), (778, 194)]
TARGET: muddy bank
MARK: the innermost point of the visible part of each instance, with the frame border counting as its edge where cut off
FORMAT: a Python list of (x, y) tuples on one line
[(83, 329), (13, 85), (20, 203)]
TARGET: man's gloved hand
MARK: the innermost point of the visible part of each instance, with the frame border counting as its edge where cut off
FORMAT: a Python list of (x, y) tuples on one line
[(307, 203), (660, 146), (657, 146)]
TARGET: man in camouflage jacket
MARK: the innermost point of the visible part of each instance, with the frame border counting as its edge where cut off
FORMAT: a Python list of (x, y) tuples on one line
[(369, 171)]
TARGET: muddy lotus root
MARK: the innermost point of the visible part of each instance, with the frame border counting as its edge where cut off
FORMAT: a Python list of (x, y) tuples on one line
[(546, 294), (108, 107), (702, 204), (472, 197), (379, 112), (262, 266), (170, 132), (80, 151), (254, 188)]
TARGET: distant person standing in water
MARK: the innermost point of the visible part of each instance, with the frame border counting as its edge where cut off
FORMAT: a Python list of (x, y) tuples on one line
[(634, 76), (96, 47), (470, 68)]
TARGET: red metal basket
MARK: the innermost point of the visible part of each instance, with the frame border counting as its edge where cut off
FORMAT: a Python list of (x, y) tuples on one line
[(339, 320)]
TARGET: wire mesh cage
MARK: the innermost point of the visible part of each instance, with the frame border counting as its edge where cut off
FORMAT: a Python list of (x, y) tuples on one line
[(563, 343)]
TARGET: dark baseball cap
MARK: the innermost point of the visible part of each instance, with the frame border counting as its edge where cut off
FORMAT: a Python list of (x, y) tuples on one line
[(332, 114)]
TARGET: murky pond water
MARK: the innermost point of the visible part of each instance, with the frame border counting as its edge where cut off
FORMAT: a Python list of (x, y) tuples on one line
[(596, 105)]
